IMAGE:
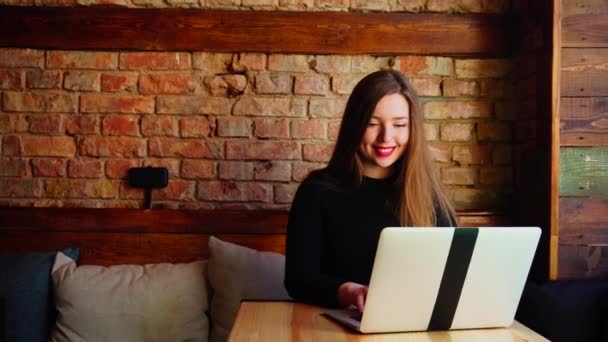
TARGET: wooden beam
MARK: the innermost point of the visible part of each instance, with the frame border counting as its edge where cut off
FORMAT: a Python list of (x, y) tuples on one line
[(77, 28)]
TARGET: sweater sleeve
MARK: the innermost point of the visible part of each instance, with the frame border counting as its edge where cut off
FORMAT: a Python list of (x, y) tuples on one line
[(304, 279)]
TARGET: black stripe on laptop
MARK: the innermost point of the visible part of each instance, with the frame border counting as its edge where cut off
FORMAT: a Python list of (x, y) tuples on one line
[(454, 274)]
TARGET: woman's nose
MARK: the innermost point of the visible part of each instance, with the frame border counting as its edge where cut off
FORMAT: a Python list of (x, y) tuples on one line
[(386, 133)]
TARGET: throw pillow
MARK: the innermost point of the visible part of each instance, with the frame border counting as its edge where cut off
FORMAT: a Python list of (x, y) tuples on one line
[(26, 300), (156, 302), (237, 273)]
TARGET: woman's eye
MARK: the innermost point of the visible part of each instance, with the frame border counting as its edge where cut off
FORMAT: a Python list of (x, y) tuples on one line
[(401, 125), (373, 124)]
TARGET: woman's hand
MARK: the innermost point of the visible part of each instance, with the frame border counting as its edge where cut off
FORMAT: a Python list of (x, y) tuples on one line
[(352, 294)]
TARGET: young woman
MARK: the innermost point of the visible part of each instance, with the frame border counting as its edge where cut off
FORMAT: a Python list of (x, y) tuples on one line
[(380, 174)]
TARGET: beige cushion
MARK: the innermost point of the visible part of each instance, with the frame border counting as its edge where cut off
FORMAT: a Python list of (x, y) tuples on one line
[(237, 273), (157, 302)]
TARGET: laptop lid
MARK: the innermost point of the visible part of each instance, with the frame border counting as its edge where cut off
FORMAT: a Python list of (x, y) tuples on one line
[(447, 278)]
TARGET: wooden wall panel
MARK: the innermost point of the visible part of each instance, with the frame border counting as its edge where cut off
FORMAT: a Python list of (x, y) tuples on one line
[(583, 221), (584, 172), (584, 72), (584, 23), (584, 121), (583, 261), (254, 31)]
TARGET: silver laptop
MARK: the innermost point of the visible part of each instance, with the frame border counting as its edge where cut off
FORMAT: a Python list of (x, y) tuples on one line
[(445, 278)]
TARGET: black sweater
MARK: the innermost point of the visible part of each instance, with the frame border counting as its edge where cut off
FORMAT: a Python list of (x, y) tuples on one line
[(332, 237)]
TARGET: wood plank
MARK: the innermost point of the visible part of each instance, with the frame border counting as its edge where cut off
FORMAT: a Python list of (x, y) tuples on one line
[(584, 121), (132, 248), (584, 171), (554, 209), (577, 262), (584, 72), (254, 31), (585, 23), (583, 221)]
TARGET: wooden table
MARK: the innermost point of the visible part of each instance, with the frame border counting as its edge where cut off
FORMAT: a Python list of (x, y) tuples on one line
[(286, 321)]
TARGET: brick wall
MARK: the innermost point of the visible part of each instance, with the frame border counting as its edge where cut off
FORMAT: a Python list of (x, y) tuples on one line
[(234, 130)]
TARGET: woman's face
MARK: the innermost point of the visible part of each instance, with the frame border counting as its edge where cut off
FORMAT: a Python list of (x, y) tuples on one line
[(386, 136)]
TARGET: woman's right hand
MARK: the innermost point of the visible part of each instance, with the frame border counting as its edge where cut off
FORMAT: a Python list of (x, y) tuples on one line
[(352, 294)]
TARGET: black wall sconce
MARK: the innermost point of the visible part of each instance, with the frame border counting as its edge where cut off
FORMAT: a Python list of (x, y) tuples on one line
[(148, 178)]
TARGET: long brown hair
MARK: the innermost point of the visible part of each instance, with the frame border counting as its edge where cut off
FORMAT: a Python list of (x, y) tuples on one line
[(418, 192)]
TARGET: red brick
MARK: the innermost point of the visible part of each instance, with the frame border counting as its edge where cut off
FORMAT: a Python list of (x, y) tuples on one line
[(332, 64), (48, 167), (258, 106), (184, 148), (226, 85), (431, 131), (81, 60), (292, 63), (12, 146), (270, 150), (177, 189), (494, 88), (43, 79), (234, 191), (367, 64), (234, 127), (85, 168), (318, 152), (301, 169), (374, 5), (477, 6), (440, 152), (48, 146), (271, 128), (116, 104), (155, 61), (82, 124), (502, 154), (11, 79), (327, 108), (21, 58), (297, 4), (126, 147), (458, 175), (80, 188), (478, 68), (311, 85), (476, 199), (472, 154), (284, 193), (127, 192), (426, 86), (333, 130), (45, 123), (426, 65), (493, 131), (273, 83), (344, 84), (259, 3), (455, 88), (457, 132), (155, 125), (119, 168), (81, 80), (193, 105), (120, 125), (115, 82), (6, 125), (273, 171), (196, 127), (38, 102), (236, 170), (457, 109), (198, 169), (333, 4), (495, 175), (19, 187), (212, 63), (173, 83), (311, 128), (13, 167), (410, 5), (249, 61)]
